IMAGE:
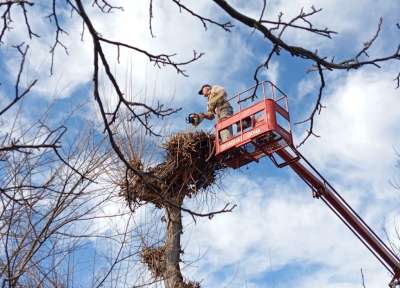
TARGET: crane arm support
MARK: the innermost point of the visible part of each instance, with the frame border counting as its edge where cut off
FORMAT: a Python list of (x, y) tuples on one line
[(323, 190)]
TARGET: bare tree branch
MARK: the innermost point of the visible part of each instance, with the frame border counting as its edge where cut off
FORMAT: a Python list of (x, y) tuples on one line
[(25, 12), (59, 31), (397, 79), (226, 26), (362, 278), (369, 43), (18, 96), (105, 6), (158, 60), (319, 62), (301, 16), (317, 108), (7, 20), (300, 51), (151, 18)]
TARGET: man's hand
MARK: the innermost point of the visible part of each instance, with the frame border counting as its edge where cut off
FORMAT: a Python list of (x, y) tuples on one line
[(195, 119)]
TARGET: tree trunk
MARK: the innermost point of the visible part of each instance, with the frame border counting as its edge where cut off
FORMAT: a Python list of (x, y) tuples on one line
[(173, 276)]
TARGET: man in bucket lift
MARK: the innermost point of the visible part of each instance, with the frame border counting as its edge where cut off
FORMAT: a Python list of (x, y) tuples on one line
[(218, 105)]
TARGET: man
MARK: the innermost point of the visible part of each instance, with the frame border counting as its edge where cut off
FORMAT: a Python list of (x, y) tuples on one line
[(218, 106)]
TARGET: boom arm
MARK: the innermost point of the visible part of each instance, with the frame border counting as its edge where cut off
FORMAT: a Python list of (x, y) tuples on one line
[(323, 190)]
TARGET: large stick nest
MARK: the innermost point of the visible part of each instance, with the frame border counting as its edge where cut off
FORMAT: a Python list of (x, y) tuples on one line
[(189, 167)]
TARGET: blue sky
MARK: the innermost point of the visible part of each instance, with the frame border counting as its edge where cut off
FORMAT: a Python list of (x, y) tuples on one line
[(278, 235)]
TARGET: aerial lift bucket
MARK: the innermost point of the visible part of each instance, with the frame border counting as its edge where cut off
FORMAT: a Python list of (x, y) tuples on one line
[(257, 130)]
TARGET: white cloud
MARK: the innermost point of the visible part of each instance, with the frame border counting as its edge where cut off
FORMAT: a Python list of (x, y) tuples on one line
[(272, 74), (358, 129), (305, 87), (276, 225)]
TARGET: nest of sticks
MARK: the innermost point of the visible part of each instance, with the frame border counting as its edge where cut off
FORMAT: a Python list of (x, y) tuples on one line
[(189, 167), (154, 258)]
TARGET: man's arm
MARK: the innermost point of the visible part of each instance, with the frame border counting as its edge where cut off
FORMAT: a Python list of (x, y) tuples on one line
[(208, 115), (217, 94)]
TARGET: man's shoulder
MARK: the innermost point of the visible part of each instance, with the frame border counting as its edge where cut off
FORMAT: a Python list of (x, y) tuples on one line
[(217, 88), (217, 91)]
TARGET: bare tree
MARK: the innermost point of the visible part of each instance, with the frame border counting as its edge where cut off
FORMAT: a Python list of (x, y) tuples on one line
[(44, 189), (51, 191), (51, 200), (188, 169)]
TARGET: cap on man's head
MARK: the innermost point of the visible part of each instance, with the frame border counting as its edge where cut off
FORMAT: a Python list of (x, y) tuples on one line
[(201, 89)]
